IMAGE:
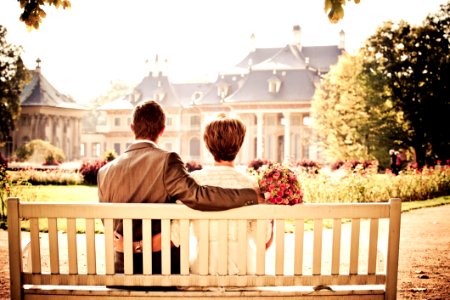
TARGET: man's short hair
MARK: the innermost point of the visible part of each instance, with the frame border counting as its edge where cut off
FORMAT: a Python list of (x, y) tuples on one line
[(148, 120), (224, 137)]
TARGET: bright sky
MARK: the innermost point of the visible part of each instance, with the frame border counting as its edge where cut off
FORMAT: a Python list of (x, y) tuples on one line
[(95, 42)]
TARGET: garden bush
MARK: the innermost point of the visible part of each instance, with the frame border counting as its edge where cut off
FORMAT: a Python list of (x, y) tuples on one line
[(39, 151), (54, 176), (258, 163), (89, 170)]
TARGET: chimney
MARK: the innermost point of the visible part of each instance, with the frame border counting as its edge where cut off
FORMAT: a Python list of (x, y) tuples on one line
[(297, 34), (252, 43), (341, 40)]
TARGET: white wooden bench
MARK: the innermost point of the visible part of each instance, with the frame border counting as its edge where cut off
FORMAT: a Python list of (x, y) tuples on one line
[(356, 257)]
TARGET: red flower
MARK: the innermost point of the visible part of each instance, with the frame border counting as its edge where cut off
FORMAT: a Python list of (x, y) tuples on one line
[(280, 185)]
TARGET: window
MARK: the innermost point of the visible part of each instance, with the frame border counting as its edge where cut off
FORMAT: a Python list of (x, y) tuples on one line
[(128, 121), (195, 122), (116, 122), (169, 121), (194, 148), (117, 148), (82, 149), (96, 149), (274, 84)]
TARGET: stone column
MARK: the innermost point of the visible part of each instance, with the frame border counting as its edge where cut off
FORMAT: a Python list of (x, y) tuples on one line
[(287, 136), (259, 135)]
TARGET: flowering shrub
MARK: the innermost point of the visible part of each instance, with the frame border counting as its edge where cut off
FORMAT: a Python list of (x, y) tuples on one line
[(89, 170), (193, 166), (49, 176), (309, 166), (280, 185), (354, 164)]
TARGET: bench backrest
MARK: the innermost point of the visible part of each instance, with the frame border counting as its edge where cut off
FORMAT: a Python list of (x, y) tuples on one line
[(349, 244)]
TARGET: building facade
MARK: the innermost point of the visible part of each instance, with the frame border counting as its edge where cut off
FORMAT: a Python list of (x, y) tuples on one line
[(270, 91), (48, 115)]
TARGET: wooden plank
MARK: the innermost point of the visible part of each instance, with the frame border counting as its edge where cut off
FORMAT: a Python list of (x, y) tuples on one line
[(393, 248), (109, 246), (242, 247), (90, 246), (184, 244), (208, 280), (279, 249), (72, 245), (336, 248), (373, 244), (172, 211), (128, 246), (15, 249), (317, 251), (203, 247), (222, 264), (35, 246), (298, 255), (354, 246), (53, 245), (147, 246), (165, 246), (261, 247)]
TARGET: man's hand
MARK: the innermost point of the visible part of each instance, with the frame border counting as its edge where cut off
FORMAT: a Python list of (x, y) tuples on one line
[(261, 199)]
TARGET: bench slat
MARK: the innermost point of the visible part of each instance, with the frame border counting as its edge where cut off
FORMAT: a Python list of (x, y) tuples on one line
[(72, 245), (160, 211), (317, 250), (165, 247), (279, 250), (53, 245), (90, 246), (203, 247), (222, 264), (35, 246), (127, 246), (354, 247), (260, 247), (205, 280), (109, 250), (299, 236), (373, 244), (185, 246), (147, 246), (336, 250), (242, 246)]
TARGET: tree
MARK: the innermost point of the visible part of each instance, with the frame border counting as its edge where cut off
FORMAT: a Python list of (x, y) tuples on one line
[(13, 76), (335, 9), (33, 13), (413, 64), (351, 120)]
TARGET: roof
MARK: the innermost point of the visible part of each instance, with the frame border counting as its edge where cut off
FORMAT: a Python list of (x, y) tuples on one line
[(322, 57), (257, 56), (296, 85), (39, 92), (191, 93), (156, 87), (231, 81)]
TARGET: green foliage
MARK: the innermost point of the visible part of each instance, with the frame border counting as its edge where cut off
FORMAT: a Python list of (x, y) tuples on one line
[(40, 151), (13, 76), (110, 155), (33, 13), (335, 9), (409, 67)]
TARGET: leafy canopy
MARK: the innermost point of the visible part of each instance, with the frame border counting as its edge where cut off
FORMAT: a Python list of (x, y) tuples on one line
[(13, 76), (33, 11)]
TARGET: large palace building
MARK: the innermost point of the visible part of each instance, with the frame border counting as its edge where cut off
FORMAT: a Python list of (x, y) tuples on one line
[(271, 92)]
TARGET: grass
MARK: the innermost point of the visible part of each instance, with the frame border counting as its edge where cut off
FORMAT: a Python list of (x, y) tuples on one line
[(82, 193)]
